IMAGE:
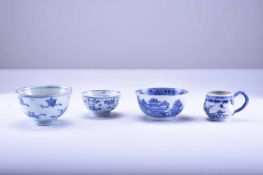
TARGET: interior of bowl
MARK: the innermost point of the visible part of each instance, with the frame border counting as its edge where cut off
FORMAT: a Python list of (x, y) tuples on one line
[(219, 93), (101, 93), (162, 91), (44, 91)]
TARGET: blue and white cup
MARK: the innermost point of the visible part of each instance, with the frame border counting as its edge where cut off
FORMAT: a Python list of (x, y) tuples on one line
[(220, 105), (44, 104)]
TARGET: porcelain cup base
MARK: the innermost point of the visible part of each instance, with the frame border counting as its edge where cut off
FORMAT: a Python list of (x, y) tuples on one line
[(160, 118), (46, 122), (102, 114)]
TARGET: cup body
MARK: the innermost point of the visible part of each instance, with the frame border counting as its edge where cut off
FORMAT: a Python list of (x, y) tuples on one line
[(219, 105), (161, 103), (44, 104), (101, 102)]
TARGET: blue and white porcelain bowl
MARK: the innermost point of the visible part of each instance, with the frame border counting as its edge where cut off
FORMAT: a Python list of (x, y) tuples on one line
[(44, 104), (101, 102), (161, 103)]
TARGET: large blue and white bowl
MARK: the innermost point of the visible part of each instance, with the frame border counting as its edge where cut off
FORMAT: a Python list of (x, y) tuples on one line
[(101, 102), (161, 103), (44, 104)]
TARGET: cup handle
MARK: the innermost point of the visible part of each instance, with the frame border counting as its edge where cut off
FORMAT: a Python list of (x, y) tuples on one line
[(245, 103)]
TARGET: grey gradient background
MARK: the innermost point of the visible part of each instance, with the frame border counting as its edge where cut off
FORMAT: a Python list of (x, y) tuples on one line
[(131, 34)]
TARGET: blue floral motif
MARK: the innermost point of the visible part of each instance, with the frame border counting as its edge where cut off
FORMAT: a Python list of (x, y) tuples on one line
[(21, 101), (93, 100), (51, 102), (99, 105), (109, 102)]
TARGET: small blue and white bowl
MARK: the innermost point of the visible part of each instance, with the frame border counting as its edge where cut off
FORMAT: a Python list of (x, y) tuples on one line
[(101, 102), (44, 104), (161, 103)]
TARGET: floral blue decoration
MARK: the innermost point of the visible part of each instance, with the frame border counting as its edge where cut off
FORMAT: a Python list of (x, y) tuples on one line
[(106, 104), (45, 109), (101, 102), (51, 102), (109, 102)]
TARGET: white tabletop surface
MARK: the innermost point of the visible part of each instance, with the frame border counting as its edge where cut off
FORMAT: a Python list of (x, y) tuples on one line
[(127, 143)]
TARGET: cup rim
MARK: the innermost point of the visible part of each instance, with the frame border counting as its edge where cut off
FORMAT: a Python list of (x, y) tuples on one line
[(84, 93), (143, 90), (220, 93), (68, 92)]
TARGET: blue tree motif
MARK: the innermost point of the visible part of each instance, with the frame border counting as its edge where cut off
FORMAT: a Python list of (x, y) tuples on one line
[(51, 102), (177, 108), (21, 101), (144, 106)]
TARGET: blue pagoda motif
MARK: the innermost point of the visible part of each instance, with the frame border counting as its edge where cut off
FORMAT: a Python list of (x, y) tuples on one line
[(157, 108), (154, 107)]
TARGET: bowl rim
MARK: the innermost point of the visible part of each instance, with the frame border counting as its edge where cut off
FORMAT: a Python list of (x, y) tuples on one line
[(140, 91), (18, 91), (100, 90)]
